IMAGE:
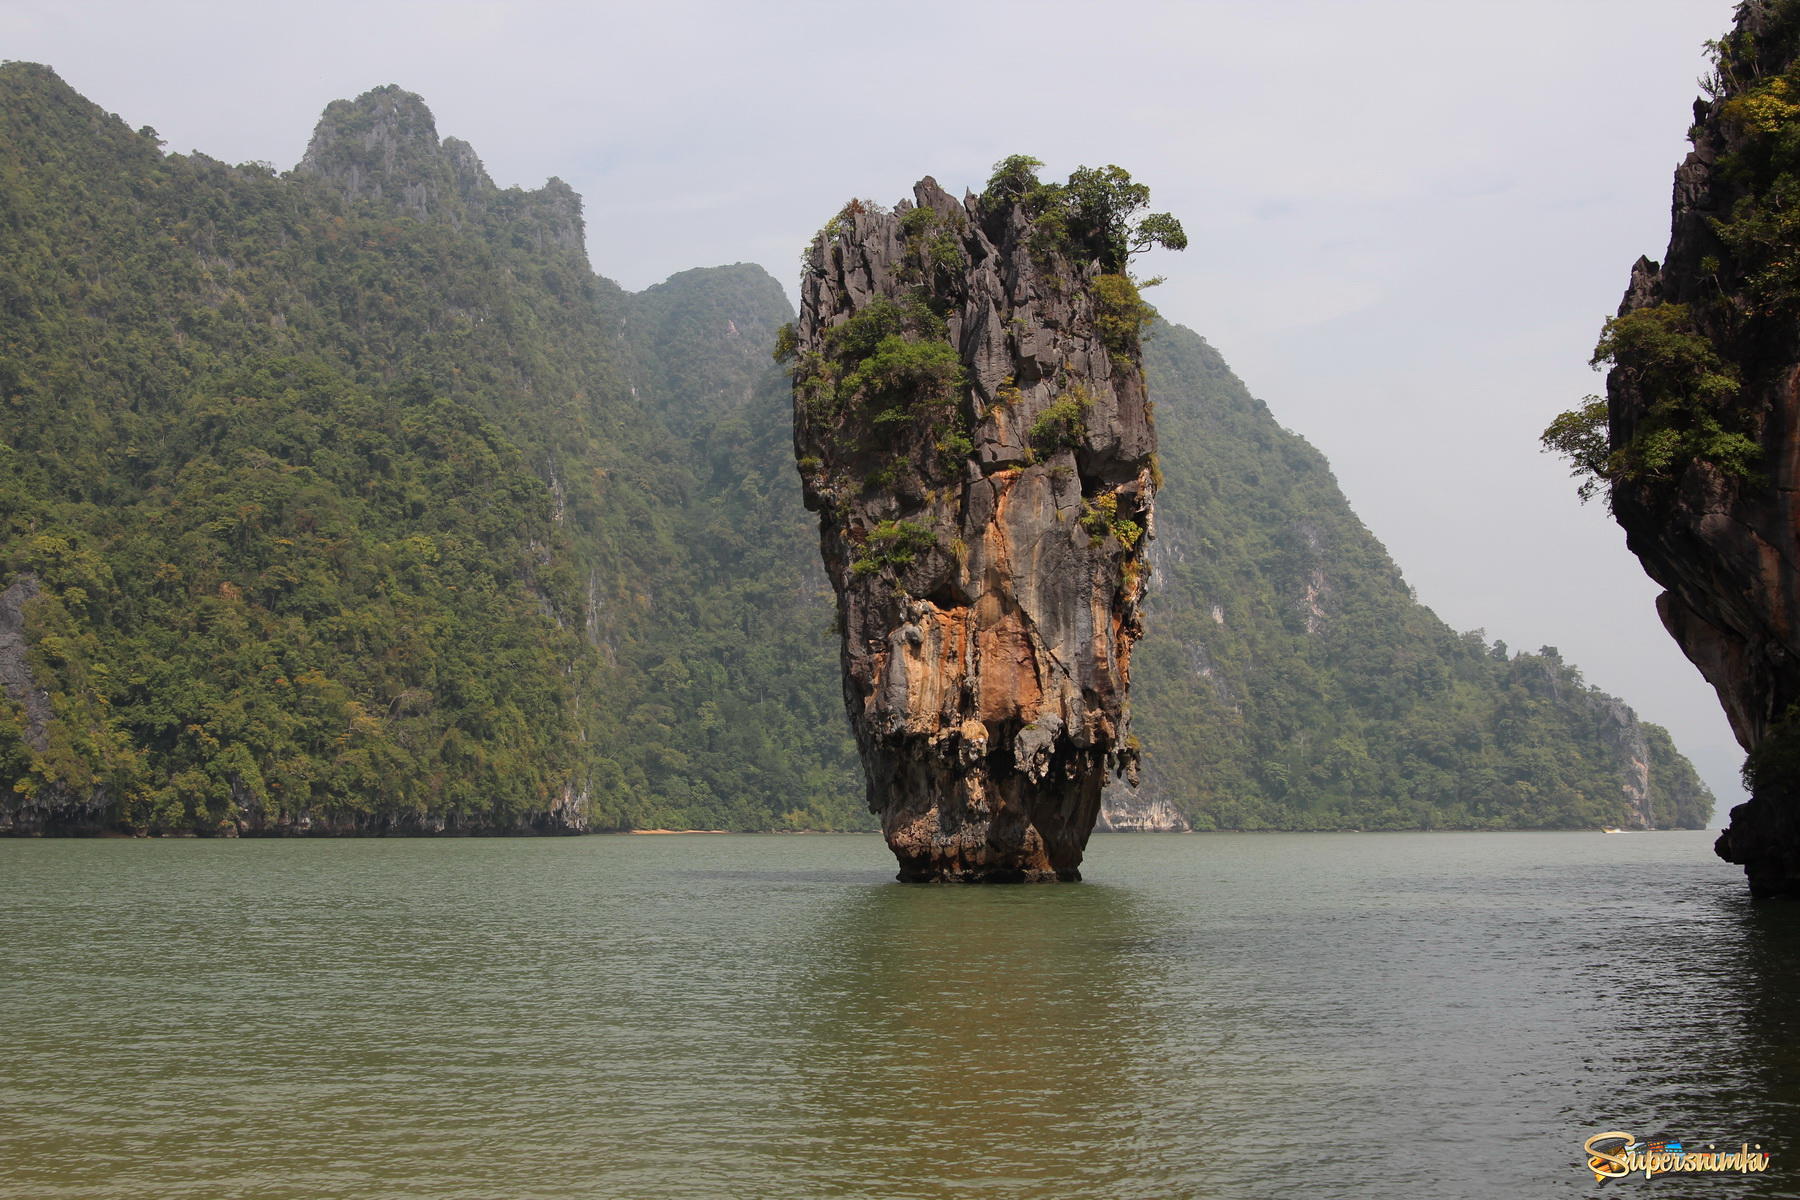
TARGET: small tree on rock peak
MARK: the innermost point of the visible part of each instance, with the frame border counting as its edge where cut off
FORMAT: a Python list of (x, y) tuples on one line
[(1014, 177), (1095, 211), (1102, 202)]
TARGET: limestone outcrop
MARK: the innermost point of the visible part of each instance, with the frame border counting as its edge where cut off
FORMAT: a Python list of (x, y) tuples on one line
[(971, 426), (1703, 426)]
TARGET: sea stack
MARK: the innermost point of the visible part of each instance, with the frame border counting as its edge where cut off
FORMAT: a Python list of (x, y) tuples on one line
[(971, 426), (1698, 441)]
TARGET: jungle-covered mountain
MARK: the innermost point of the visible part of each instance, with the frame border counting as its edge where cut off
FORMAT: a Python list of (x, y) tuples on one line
[(1289, 679), (351, 499)]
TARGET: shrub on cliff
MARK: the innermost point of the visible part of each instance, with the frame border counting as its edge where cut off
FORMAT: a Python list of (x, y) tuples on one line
[(1094, 212), (1063, 424), (893, 544), (1687, 389)]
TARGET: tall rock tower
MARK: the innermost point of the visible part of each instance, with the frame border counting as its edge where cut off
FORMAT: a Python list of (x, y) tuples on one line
[(971, 426)]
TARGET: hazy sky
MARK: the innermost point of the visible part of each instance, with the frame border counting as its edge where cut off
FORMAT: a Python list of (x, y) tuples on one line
[(1407, 218)]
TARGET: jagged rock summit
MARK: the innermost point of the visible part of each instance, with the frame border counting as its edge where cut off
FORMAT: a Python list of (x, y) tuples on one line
[(384, 145), (971, 426)]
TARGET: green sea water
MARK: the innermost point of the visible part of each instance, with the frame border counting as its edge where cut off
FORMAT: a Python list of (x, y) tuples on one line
[(1410, 1015)]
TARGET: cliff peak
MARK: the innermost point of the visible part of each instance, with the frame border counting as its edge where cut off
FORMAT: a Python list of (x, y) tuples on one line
[(384, 144), (383, 147)]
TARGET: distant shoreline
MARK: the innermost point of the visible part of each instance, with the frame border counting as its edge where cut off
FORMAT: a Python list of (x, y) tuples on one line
[(409, 834)]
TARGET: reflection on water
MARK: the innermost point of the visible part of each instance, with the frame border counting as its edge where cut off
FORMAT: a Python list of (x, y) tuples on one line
[(1742, 1040), (1348, 1015), (1769, 937), (956, 1034)]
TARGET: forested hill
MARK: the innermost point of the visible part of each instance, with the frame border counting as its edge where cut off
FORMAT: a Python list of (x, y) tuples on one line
[(344, 499), (1289, 679), (351, 499)]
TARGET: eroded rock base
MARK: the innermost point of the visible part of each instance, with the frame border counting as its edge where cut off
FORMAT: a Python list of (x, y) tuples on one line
[(1764, 838), (966, 840), (945, 826)]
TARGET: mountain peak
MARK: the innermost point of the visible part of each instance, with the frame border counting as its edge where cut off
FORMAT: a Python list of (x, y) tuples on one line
[(384, 145)]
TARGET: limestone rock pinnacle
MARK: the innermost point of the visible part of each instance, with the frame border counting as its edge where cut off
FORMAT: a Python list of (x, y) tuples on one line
[(971, 426)]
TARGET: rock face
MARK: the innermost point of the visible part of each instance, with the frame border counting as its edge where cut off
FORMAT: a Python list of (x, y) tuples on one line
[(15, 671), (1125, 811), (49, 807), (980, 454), (1717, 529)]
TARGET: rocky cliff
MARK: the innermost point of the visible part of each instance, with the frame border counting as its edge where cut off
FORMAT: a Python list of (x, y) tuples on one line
[(971, 425), (1698, 449)]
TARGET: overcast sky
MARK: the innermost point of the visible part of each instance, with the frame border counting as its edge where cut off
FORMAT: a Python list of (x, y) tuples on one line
[(1408, 219)]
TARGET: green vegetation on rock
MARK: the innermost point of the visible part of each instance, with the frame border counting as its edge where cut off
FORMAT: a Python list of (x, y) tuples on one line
[(1688, 391), (1675, 355), (1755, 89), (1063, 424), (1093, 215), (892, 545)]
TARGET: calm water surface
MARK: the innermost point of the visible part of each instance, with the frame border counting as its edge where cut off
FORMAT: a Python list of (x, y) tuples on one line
[(1444, 1015)]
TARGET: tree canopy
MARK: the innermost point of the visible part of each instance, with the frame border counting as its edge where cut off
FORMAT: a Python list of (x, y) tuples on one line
[(1096, 210)]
